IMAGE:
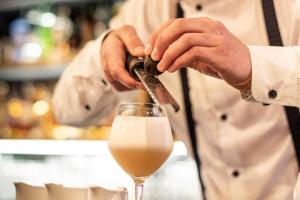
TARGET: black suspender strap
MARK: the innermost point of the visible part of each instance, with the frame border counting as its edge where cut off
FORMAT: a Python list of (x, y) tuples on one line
[(189, 113), (271, 23), (293, 117), (292, 113)]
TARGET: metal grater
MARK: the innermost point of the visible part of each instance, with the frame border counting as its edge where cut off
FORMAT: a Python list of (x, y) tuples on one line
[(145, 71)]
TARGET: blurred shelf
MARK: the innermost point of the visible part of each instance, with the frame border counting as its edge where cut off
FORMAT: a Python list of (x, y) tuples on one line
[(17, 4), (36, 73), (66, 147)]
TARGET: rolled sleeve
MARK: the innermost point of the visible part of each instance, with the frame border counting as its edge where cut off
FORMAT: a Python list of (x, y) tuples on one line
[(82, 96), (96, 54)]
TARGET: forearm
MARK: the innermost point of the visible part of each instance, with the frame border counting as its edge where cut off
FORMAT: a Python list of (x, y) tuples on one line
[(275, 74)]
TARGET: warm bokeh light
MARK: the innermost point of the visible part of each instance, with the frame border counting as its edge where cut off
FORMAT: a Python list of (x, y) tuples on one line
[(40, 108), (66, 132), (15, 108)]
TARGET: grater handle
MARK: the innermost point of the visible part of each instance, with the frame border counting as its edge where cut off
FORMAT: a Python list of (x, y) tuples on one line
[(134, 63)]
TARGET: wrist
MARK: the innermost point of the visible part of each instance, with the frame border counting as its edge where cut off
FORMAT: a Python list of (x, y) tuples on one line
[(245, 89), (244, 85)]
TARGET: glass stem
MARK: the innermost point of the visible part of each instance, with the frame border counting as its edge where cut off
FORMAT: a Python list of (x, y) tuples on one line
[(139, 188)]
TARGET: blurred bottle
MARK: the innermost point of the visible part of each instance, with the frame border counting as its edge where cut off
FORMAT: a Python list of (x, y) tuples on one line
[(86, 29), (5, 130), (42, 22), (62, 31)]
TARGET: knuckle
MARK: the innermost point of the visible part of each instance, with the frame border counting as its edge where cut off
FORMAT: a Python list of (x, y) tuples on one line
[(179, 22), (186, 38)]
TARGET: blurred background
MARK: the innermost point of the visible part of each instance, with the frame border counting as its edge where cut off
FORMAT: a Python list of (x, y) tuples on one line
[(38, 38)]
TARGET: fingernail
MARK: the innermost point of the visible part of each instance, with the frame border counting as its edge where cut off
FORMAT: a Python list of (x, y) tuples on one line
[(139, 50), (160, 67), (154, 54), (148, 49)]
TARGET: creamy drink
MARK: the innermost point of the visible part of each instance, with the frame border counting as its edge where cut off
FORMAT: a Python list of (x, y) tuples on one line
[(140, 144), (140, 141)]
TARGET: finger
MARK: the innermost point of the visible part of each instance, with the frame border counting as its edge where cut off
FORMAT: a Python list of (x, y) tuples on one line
[(114, 60), (155, 34), (176, 29), (115, 83), (104, 63), (127, 34), (119, 73), (185, 42), (194, 54), (111, 42)]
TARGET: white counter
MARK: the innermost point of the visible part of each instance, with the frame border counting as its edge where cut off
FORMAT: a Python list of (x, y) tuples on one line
[(66, 147), (89, 163)]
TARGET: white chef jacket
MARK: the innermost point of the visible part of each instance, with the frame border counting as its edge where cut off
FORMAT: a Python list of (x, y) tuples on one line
[(245, 148)]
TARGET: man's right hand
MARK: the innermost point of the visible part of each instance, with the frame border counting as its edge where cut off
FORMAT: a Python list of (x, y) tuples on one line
[(113, 57)]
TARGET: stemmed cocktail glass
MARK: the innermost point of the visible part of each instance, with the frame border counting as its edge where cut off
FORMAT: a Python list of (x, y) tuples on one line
[(140, 141)]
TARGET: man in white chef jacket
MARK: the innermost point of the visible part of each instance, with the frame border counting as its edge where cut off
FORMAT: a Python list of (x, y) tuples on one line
[(246, 148)]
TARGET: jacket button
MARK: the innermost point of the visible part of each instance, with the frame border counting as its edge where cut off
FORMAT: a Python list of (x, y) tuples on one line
[(223, 117), (198, 7), (87, 107), (103, 82), (235, 173), (272, 94)]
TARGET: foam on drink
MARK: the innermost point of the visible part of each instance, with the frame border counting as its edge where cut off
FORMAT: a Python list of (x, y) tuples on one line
[(140, 144)]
